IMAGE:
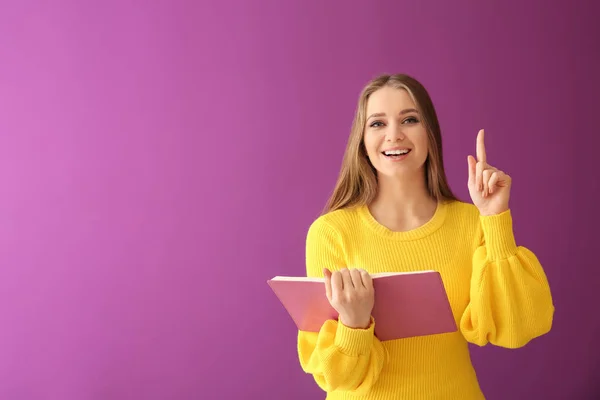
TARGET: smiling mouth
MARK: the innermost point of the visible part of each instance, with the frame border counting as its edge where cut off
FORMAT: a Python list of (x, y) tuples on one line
[(395, 153)]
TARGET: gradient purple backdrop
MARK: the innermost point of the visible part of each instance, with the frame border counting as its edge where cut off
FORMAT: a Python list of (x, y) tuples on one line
[(161, 160)]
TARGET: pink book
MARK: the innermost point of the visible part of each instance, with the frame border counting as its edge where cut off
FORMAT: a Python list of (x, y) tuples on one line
[(407, 304)]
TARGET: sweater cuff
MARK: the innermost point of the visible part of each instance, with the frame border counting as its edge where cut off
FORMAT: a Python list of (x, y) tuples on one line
[(354, 342), (498, 235)]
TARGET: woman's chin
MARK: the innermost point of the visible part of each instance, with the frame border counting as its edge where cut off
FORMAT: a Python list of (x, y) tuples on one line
[(400, 171)]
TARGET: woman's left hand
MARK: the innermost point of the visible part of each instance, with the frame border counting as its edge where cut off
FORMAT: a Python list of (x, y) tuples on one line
[(488, 186)]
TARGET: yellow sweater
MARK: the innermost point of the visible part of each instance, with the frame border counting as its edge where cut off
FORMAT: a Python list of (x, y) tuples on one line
[(498, 291)]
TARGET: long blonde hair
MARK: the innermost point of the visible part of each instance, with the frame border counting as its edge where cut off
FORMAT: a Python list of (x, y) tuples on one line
[(357, 180)]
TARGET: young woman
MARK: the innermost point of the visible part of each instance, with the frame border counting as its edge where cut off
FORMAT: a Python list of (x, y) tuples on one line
[(392, 210)]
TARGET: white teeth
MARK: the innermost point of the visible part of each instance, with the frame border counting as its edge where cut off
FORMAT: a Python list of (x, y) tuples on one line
[(395, 152)]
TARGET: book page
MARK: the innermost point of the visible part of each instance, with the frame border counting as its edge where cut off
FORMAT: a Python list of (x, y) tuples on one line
[(315, 279)]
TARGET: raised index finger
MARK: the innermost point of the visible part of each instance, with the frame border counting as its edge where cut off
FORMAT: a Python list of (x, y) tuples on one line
[(481, 157)]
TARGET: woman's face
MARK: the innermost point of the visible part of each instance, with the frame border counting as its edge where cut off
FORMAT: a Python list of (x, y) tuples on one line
[(395, 139)]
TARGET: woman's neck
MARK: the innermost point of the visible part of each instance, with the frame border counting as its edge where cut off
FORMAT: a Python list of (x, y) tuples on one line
[(403, 204)]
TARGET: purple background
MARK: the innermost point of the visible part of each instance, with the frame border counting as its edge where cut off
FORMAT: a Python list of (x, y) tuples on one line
[(159, 161)]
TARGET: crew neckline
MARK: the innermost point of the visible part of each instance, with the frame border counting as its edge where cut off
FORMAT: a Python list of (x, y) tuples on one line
[(434, 223)]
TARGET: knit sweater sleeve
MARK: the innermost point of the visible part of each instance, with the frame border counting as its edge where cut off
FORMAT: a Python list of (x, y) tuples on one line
[(510, 299), (338, 357)]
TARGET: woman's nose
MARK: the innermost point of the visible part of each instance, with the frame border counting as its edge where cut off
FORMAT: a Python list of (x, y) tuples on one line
[(395, 134)]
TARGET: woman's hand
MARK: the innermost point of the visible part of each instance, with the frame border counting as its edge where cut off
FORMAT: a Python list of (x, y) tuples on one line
[(488, 186), (350, 292)]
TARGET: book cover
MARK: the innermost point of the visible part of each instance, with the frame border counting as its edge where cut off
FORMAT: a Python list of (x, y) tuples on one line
[(407, 304)]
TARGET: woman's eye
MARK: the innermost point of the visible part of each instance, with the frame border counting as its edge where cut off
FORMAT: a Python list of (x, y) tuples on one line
[(411, 120), (376, 124)]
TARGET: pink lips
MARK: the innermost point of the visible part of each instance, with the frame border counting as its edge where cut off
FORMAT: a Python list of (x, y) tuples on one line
[(396, 158)]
